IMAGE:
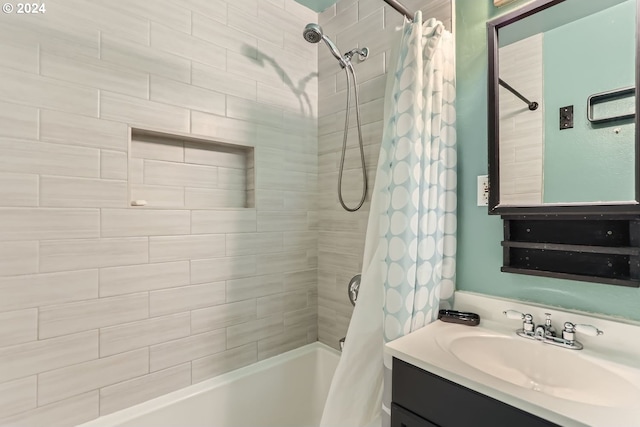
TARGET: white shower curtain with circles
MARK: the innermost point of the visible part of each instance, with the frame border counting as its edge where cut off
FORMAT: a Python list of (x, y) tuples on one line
[(409, 261)]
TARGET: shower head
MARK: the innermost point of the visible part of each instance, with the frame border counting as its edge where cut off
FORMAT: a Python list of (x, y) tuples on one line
[(313, 34)]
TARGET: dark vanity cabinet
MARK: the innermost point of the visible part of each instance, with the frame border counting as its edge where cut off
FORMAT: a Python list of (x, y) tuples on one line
[(422, 399)]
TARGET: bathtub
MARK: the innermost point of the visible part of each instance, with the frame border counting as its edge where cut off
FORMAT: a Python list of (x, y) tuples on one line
[(288, 390)]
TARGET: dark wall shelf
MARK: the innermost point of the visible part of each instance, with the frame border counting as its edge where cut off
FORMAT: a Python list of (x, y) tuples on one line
[(589, 248)]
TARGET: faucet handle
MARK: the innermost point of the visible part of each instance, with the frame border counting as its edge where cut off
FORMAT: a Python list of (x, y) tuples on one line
[(570, 329), (517, 315), (514, 315), (527, 324), (589, 330)]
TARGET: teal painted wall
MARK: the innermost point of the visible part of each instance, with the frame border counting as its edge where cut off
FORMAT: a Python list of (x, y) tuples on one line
[(589, 162), (317, 5), (479, 235)]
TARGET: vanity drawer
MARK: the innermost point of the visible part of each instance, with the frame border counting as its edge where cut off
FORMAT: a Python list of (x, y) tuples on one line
[(401, 417), (447, 404)]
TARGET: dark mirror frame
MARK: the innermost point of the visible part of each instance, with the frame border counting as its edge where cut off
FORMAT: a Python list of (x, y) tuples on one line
[(494, 129)]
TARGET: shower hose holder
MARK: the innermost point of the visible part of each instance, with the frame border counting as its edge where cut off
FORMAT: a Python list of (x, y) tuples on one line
[(362, 54)]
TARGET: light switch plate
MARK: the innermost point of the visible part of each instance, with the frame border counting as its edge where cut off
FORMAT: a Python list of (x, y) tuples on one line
[(566, 117), (483, 190)]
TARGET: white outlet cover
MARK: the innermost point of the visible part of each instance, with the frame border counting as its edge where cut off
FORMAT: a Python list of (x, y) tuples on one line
[(483, 190)]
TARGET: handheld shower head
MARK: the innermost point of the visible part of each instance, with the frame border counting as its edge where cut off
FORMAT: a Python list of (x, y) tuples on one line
[(313, 34)]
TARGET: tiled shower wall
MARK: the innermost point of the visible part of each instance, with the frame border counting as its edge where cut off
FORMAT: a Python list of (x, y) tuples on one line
[(521, 153), (341, 235), (104, 305)]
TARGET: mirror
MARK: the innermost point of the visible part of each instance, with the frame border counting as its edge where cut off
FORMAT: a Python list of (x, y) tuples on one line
[(562, 128)]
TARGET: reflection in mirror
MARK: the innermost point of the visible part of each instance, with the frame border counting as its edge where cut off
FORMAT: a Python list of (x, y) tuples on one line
[(560, 57)]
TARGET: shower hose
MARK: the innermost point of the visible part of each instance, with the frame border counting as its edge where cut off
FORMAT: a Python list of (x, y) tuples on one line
[(349, 69)]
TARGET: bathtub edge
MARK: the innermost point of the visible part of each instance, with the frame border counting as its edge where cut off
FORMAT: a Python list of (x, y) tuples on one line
[(140, 409)]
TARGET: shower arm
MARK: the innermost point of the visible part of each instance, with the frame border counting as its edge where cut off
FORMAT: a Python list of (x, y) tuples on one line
[(400, 8)]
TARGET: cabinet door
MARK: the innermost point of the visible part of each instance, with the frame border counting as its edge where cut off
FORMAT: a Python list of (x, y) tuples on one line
[(447, 404), (400, 417)]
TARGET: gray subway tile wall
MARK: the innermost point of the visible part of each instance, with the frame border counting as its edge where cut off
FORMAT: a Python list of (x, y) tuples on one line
[(224, 361), (104, 305), (72, 380), (19, 326), (126, 393)]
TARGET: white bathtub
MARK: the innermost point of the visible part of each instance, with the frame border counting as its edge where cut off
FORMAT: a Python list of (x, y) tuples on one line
[(288, 390)]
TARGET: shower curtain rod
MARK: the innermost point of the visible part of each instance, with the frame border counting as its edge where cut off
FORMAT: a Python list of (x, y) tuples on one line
[(532, 104), (400, 8)]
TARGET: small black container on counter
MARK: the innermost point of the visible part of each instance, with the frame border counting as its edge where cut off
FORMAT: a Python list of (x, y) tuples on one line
[(460, 317)]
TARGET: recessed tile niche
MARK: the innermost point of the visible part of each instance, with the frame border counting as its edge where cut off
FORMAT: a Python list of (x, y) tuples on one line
[(174, 171)]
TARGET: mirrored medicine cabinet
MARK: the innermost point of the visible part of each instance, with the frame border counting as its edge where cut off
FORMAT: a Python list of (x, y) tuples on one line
[(563, 147)]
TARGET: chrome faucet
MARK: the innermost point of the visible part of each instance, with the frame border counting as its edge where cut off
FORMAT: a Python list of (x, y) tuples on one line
[(540, 333), (546, 331), (547, 334)]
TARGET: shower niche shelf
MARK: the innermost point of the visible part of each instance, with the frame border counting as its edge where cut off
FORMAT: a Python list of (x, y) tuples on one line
[(182, 172)]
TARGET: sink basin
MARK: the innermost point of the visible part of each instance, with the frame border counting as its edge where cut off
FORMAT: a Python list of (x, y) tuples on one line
[(533, 365), (598, 386)]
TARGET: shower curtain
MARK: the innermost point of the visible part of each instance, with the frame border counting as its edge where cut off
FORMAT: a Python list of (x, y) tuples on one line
[(409, 260)]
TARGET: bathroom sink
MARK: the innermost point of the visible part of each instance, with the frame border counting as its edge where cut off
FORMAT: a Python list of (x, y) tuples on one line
[(557, 372), (598, 386)]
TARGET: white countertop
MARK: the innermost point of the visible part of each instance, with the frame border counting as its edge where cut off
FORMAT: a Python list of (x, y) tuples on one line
[(617, 351)]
